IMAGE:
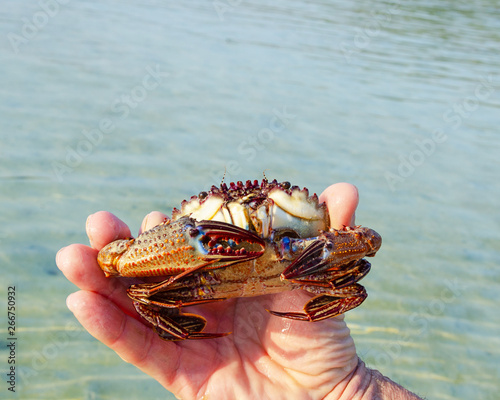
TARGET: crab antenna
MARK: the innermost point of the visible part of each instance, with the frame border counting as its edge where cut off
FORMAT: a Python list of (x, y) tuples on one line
[(223, 176)]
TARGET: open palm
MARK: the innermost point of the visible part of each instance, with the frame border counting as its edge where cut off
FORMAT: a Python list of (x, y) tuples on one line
[(264, 357)]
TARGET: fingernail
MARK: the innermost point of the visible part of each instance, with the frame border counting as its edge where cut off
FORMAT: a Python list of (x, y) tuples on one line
[(353, 219), (87, 229), (145, 222), (69, 302), (58, 256)]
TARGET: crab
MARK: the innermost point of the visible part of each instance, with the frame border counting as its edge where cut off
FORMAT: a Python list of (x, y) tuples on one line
[(242, 240)]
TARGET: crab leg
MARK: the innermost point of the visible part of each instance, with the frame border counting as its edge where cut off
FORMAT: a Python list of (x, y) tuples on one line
[(339, 277), (147, 290), (328, 305), (169, 294), (166, 302), (175, 326)]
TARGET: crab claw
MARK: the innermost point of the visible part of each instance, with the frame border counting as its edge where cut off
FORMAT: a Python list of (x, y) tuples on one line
[(179, 248), (226, 242), (216, 245), (332, 250)]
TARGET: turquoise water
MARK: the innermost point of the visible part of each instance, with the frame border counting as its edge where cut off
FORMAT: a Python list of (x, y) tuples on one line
[(133, 107)]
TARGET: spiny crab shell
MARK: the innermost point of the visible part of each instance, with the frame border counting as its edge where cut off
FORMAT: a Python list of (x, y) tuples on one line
[(261, 208)]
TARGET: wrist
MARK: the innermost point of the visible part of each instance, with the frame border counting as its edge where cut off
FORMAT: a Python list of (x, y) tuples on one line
[(368, 384)]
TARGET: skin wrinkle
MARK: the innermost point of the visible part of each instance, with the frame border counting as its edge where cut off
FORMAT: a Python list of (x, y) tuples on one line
[(281, 380), (330, 341), (297, 378), (317, 382), (264, 363), (253, 367), (292, 371), (232, 387), (366, 388), (329, 375), (367, 384), (347, 379), (203, 392), (247, 383)]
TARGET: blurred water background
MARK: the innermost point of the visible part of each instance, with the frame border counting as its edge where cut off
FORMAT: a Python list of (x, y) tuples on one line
[(133, 106)]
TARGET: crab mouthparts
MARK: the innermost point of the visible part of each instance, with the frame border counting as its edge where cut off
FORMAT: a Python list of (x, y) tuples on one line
[(220, 239)]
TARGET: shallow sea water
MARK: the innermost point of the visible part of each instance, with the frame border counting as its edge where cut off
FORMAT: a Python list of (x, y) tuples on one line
[(400, 98)]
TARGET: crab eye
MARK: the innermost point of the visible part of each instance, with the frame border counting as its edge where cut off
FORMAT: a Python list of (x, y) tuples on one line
[(193, 232), (285, 185), (285, 233), (202, 195)]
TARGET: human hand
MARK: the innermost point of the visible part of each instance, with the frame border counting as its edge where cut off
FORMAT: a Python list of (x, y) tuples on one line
[(264, 357)]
